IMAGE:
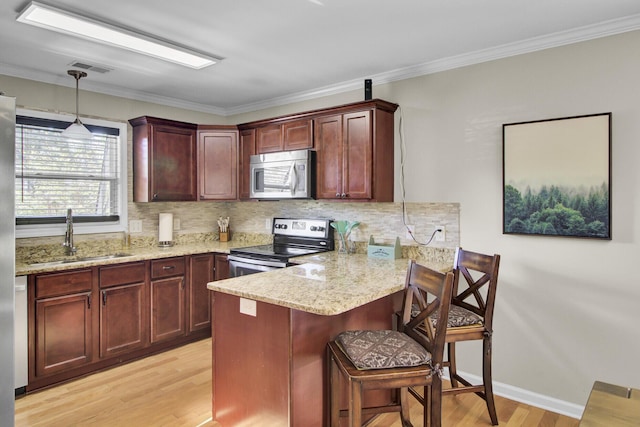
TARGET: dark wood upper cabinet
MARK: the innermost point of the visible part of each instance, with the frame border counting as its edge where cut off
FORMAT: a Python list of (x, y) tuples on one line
[(354, 151), (297, 135), (292, 135), (218, 163), (176, 161), (247, 148), (164, 160), (269, 139)]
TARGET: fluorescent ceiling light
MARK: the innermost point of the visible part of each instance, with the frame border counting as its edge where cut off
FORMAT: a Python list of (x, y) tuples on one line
[(51, 18)]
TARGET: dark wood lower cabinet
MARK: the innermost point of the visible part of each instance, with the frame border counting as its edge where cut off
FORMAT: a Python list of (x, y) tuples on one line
[(222, 267), (167, 309), (202, 272), (63, 333), (122, 318), (85, 320), (123, 312)]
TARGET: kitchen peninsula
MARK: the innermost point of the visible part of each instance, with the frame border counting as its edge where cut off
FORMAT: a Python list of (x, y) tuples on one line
[(270, 331)]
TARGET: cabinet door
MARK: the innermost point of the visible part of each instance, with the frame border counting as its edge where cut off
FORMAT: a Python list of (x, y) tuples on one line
[(218, 165), (297, 135), (269, 139), (358, 155), (173, 164), (222, 267), (167, 309), (328, 140), (247, 148), (122, 319), (202, 272), (63, 333)]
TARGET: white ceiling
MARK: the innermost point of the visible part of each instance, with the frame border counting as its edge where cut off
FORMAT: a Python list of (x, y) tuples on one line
[(280, 51)]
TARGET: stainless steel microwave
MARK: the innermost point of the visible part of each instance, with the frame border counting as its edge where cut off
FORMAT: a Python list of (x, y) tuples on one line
[(283, 175)]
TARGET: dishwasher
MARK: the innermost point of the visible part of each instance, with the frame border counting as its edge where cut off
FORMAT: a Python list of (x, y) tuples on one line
[(21, 346)]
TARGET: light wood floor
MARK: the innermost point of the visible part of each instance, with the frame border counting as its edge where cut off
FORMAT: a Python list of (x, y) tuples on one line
[(174, 389)]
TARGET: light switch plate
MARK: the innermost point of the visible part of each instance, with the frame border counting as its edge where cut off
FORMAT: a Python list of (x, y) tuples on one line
[(135, 226), (248, 307)]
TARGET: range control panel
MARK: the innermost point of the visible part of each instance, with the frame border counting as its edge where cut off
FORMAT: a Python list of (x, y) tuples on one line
[(300, 227)]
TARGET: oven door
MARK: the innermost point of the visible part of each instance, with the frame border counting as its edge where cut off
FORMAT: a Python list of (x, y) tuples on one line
[(241, 266)]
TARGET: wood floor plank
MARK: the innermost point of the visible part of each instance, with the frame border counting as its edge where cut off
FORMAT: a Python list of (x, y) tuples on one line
[(173, 389)]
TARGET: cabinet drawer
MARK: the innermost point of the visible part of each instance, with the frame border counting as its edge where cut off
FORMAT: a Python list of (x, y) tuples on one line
[(66, 283), (167, 267), (115, 275)]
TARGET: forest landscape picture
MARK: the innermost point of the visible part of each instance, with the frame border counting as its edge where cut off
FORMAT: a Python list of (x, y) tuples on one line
[(557, 177)]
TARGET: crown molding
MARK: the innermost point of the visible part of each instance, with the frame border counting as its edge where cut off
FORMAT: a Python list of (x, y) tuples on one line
[(576, 35), (562, 38), (88, 85)]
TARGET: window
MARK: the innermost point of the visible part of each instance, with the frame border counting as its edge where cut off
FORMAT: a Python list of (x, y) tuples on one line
[(54, 173)]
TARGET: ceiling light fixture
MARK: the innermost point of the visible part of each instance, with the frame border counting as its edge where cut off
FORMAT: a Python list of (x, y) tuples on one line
[(44, 16), (77, 129)]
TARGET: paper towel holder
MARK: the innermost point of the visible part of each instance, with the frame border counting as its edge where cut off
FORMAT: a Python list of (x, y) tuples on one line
[(165, 230)]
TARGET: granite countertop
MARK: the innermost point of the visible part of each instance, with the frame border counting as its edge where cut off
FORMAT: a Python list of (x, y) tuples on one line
[(132, 254), (327, 284)]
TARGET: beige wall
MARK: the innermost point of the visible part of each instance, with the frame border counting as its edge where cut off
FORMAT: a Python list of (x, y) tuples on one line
[(567, 308)]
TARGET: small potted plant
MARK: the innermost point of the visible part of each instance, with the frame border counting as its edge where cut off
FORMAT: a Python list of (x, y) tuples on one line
[(344, 229)]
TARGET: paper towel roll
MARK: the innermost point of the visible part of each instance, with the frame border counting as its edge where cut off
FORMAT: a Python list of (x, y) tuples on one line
[(165, 228)]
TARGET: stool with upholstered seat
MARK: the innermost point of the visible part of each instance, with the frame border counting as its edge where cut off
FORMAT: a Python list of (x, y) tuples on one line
[(395, 359), (471, 318)]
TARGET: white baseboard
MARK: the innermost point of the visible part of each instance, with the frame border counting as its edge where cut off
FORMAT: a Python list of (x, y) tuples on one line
[(528, 397)]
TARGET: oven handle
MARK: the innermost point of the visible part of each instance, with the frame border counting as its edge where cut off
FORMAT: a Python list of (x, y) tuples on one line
[(266, 263)]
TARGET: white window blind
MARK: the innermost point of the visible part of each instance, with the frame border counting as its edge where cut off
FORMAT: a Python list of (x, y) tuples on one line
[(54, 173)]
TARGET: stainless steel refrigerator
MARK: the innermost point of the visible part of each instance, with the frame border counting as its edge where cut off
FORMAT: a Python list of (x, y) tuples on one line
[(7, 257)]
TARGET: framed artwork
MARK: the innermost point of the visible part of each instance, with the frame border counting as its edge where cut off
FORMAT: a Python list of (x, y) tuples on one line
[(557, 177)]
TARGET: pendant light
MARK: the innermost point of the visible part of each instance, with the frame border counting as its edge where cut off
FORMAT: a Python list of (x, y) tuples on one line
[(77, 129)]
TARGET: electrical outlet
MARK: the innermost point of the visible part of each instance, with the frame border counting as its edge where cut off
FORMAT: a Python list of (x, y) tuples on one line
[(410, 230), (176, 223), (135, 226), (248, 307), (441, 233), (267, 224)]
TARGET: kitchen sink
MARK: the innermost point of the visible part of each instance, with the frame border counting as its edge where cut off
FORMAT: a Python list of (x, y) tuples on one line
[(79, 259)]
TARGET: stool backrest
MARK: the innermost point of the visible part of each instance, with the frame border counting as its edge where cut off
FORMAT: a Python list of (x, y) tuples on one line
[(430, 291), (478, 292)]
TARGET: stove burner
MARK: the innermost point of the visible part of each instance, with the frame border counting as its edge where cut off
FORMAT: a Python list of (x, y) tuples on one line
[(291, 237)]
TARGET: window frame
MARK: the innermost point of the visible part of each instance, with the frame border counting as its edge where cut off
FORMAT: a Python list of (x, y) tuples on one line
[(42, 230)]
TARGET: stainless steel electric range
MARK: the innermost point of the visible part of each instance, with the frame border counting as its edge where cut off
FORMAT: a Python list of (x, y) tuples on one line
[(292, 237)]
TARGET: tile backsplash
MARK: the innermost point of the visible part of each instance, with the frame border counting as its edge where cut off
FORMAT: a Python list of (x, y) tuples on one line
[(382, 220)]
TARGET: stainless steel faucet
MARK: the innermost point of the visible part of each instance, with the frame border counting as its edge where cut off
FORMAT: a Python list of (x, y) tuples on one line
[(68, 236)]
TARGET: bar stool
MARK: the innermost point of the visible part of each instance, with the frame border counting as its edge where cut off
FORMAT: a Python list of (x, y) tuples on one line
[(398, 359)]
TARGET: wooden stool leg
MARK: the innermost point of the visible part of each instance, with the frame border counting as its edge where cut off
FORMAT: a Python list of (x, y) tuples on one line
[(451, 358), (334, 391), (435, 410), (355, 404), (486, 378), (405, 418)]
